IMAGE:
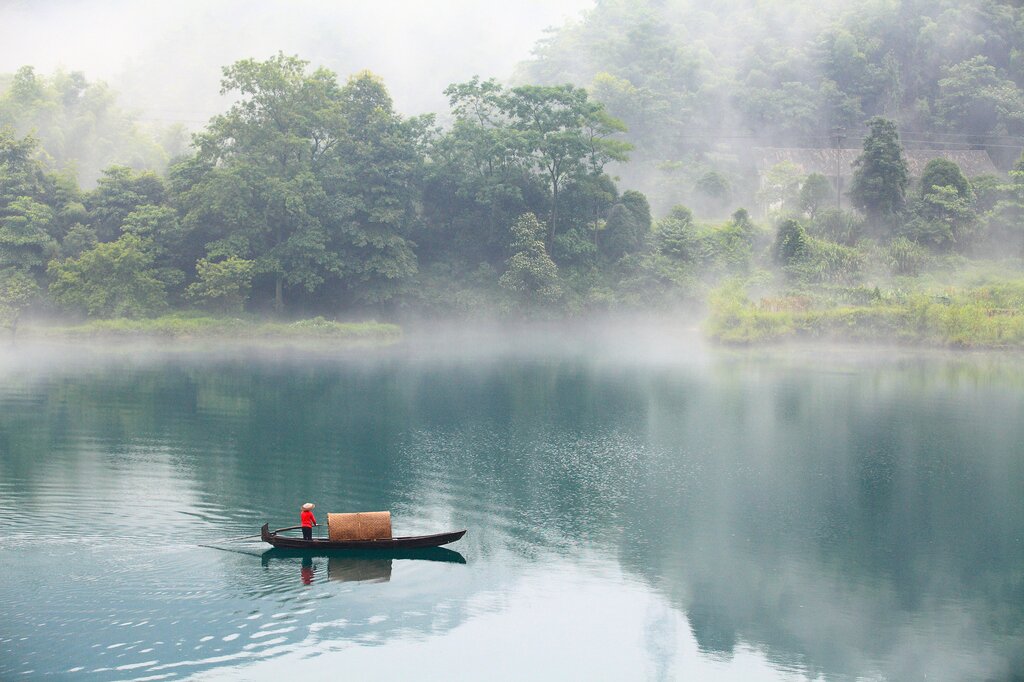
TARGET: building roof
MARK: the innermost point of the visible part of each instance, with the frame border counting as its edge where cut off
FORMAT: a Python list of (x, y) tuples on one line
[(972, 162)]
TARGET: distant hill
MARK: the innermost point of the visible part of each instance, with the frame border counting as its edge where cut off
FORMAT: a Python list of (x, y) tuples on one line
[(697, 82)]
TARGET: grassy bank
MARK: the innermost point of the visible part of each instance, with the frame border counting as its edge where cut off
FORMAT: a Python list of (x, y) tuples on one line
[(980, 316), (181, 326)]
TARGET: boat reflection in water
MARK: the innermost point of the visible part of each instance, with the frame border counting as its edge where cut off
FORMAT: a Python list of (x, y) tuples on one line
[(359, 570), (357, 566)]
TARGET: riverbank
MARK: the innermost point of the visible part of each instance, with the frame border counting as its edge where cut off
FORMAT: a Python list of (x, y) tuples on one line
[(981, 316), (188, 327)]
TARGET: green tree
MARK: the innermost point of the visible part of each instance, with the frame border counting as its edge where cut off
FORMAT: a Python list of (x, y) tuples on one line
[(476, 182), (371, 183), (21, 173), (943, 215), (627, 226), (224, 285), (944, 173), (78, 240), (815, 194), (564, 134), (79, 125), (791, 243), (974, 97), (881, 176), (531, 274), (17, 290), (24, 241), (113, 279), (780, 189), (714, 192), (261, 197), (942, 218), (119, 192), (1005, 220)]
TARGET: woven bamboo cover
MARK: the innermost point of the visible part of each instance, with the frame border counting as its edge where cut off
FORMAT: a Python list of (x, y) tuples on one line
[(359, 570), (359, 526)]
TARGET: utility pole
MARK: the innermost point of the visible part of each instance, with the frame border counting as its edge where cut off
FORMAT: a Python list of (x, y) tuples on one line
[(838, 135)]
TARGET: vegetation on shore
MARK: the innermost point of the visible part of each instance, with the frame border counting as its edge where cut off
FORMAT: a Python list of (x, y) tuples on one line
[(197, 326), (311, 195), (980, 316)]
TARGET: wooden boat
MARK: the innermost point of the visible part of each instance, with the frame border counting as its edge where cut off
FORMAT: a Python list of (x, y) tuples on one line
[(407, 542)]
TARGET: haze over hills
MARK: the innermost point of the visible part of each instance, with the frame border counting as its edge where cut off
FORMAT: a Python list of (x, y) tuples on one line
[(165, 59), (418, 158)]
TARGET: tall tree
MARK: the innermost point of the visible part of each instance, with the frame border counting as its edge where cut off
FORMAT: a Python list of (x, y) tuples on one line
[(531, 275), (370, 179), (881, 175), (565, 135), (260, 197)]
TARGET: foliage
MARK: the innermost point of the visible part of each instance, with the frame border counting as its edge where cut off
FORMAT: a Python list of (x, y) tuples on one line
[(181, 325), (1004, 221), (780, 189), (17, 289), (627, 226), (843, 227), (973, 94), (791, 72), (791, 243), (713, 192), (318, 193), (548, 136), (119, 192), (113, 279), (78, 239), (944, 173), (815, 193), (24, 240), (223, 285), (531, 275), (826, 262), (78, 124), (880, 177), (983, 317), (906, 257), (943, 218)]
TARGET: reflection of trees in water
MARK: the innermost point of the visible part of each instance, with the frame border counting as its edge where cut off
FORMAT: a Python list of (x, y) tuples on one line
[(817, 516), (839, 538)]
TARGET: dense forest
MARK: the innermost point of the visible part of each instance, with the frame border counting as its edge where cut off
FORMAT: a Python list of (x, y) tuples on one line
[(697, 83), (312, 195)]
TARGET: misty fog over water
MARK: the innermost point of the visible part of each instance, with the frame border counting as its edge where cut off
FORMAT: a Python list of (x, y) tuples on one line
[(636, 509)]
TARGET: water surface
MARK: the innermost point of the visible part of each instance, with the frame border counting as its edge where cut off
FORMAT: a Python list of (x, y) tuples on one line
[(638, 506)]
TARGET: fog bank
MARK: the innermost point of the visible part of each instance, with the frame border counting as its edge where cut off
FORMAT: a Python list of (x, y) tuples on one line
[(165, 58)]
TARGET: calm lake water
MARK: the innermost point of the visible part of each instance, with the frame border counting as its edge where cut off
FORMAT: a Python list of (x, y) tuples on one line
[(639, 507)]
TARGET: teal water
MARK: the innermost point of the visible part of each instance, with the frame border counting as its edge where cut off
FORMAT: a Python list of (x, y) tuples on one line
[(638, 506)]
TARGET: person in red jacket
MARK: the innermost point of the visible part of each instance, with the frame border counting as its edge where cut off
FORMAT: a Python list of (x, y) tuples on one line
[(308, 521)]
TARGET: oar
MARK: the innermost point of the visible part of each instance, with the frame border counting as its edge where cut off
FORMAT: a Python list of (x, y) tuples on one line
[(258, 535)]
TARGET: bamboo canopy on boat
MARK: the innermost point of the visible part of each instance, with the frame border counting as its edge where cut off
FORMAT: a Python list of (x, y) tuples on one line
[(359, 526)]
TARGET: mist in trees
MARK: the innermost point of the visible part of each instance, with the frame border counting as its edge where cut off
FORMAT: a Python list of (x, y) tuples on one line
[(698, 83), (315, 195), (613, 171)]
